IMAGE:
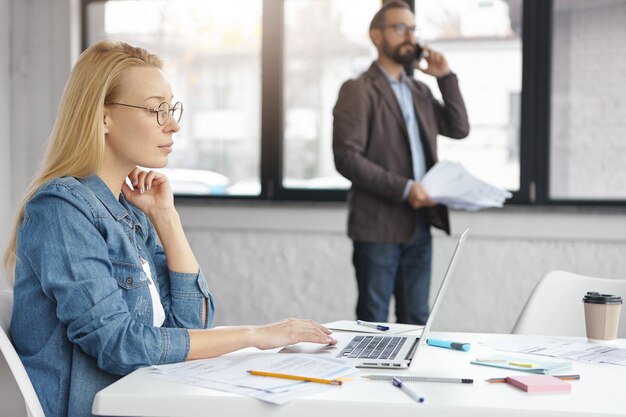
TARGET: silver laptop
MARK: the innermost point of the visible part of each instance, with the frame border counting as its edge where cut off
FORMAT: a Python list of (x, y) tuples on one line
[(367, 350)]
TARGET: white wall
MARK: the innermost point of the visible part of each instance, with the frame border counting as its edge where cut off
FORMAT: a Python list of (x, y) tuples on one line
[(271, 261), (10, 398), (35, 41), (5, 120), (34, 63)]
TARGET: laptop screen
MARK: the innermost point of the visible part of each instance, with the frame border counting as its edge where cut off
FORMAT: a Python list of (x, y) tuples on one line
[(444, 285)]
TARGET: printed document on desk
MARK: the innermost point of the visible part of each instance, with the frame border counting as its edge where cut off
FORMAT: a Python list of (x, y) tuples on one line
[(394, 328), (229, 373), (451, 184), (558, 348), (523, 364)]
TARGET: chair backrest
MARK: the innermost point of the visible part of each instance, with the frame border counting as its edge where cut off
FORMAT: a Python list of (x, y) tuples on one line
[(555, 306), (33, 406)]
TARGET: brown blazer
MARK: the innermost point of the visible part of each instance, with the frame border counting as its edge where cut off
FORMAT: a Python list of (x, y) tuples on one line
[(371, 149)]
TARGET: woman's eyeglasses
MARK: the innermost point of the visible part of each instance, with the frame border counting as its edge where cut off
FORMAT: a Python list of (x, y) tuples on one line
[(163, 112)]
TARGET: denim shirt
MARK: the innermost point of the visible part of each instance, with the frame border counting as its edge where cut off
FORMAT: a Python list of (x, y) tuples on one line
[(82, 312)]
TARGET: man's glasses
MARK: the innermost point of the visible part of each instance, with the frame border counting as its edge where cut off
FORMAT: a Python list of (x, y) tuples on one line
[(163, 112), (401, 29)]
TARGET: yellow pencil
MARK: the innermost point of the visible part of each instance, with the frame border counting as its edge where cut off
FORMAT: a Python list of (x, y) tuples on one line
[(297, 377), (523, 365)]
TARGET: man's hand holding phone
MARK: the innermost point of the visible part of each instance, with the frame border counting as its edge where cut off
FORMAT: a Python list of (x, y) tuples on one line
[(436, 61)]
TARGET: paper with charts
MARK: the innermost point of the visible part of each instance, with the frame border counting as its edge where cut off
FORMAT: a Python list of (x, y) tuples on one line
[(559, 348), (449, 183), (229, 373)]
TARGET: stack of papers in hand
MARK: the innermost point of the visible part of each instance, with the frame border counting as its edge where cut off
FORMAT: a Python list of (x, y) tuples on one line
[(451, 184), (229, 373)]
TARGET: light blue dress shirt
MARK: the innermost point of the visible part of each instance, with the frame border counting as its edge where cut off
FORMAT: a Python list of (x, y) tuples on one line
[(403, 94)]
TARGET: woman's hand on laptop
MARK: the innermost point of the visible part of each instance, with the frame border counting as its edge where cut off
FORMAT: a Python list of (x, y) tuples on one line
[(290, 331)]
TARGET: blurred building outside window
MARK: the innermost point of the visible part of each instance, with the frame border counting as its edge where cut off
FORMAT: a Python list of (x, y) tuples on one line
[(212, 57), (588, 83)]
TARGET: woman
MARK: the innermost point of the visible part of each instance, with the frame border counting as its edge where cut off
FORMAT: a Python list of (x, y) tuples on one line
[(95, 294)]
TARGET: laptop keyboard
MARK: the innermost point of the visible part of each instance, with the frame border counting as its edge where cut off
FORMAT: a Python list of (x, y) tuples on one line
[(373, 347)]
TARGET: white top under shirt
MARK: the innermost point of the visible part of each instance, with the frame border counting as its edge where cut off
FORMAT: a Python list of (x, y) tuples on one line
[(158, 317)]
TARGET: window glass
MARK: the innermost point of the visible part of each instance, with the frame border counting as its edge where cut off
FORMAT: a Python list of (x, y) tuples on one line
[(587, 146), (326, 43), (212, 56), (481, 40)]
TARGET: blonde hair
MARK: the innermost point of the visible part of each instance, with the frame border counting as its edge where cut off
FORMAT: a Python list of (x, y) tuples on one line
[(76, 144)]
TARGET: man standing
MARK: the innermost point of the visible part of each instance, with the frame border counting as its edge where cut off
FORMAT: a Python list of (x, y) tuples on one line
[(384, 140)]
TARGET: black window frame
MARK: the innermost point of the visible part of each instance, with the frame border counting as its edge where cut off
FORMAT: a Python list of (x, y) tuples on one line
[(534, 119)]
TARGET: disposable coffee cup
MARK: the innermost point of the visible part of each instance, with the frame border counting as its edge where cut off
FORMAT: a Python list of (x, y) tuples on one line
[(602, 317)]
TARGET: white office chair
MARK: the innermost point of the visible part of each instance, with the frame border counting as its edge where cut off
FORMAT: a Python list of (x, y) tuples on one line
[(33, 406), (555, 306)]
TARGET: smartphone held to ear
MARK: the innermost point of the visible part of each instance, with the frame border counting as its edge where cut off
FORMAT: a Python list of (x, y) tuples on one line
[(419, 52)]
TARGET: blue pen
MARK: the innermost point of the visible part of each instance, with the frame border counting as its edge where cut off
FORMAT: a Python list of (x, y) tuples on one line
[(449, 345), (397, 382), (372, 325)]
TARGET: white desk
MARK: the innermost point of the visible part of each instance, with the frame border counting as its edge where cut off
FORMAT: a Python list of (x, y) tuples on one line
[(599, 392)]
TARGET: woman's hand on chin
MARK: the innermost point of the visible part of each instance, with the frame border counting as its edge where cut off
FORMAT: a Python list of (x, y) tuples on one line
[(151, 191)]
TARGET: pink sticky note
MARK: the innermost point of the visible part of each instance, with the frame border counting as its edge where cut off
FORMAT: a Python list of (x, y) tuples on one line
[(539, 383)]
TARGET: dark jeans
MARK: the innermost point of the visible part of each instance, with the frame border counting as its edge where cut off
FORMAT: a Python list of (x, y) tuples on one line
[(383, 269)]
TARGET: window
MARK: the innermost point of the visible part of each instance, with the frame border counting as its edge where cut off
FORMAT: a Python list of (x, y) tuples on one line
[(542, 80), (326, 42), (212, 56), (482, 42), (588, 101)]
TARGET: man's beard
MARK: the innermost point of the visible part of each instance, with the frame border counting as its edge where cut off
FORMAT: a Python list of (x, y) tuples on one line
[(401, 58)]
